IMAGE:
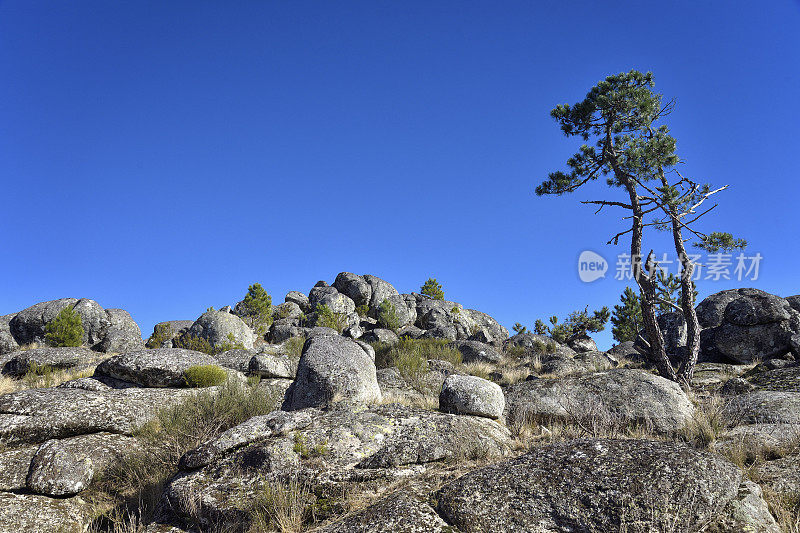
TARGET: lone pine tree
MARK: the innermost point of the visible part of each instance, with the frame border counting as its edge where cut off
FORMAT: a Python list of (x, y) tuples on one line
[(638, 157)]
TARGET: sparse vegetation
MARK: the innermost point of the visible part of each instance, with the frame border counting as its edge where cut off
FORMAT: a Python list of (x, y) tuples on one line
[(130, 488), (577, 323), (433, 289), (204, 375), (327, 318), (161, 334), (66, 329), (519, 328), (363, 310), (283, 507), (294, 346), (387, 316), (410, 357), (201, 344)]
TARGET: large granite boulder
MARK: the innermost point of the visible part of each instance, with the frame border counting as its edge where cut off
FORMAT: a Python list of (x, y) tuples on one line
[(450, 320), (221, 328), (41, 514), (298, 298), (381, 290), (533, 344), (165, 333), (471, 395), (329, 296), (477, 352), (614, 398), (162, 367), (594, 486), (331, 369), (745, 325), (123, 335)]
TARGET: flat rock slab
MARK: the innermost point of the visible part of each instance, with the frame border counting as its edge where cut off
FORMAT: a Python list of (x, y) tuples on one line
[(765, 406), (36, 415), (593, 486), (18, 363), (782, 379), (781, 475), (162, 367), (751, 439), (30, 513), (14, 466), (622, 396)]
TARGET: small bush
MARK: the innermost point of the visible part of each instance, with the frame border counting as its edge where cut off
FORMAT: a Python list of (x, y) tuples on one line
[(433, 289), (66, 329), (193, 342), (161, 334), (326, 318), (544, 347), (199, 376), (362, 310), (387, 316), (283, 507), (256, 309), (410, 357)]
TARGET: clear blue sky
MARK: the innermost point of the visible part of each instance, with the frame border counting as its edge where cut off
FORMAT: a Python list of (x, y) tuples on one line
[(161, 156)]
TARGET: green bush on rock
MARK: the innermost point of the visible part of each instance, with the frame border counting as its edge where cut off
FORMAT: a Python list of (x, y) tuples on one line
[(204, 376), (66, 329)]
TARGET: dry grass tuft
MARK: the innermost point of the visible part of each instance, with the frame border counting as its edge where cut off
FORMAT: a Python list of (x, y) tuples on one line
[(283, 507), (785, 507), (7, 385), (709, 421)]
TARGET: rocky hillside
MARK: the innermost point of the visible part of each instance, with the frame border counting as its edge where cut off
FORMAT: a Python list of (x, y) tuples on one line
[(355, 408)]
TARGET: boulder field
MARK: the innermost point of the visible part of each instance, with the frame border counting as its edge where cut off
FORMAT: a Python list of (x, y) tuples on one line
[(434, 421)]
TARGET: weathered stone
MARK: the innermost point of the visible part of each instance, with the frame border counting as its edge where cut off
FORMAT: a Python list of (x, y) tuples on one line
[(354, 287), (272, 365), (123, 334), (237, 359), (381, 290), (781, 379), (14, 466), (329, 296), (593, 486), (299, 298), (616, 397), (333, 368), (474, 351), (286, 310), (175, 328), (19, 363), (36, 415), (746, 513), (471, 395), (582, 343), (7, 342), (28, 325), (39, 514), (781, 475), (385, 336), (220, 328), (162, 367), (764, 407)]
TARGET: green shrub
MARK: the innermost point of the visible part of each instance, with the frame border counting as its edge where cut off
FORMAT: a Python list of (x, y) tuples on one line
[(326, 318), (544, 347), (161, 334), (387, 316), (66, 329), (362, 310), (410, 356), (204, 375), (256, 309), (38, 375), (519, 328), (433, 289), (193, 342)]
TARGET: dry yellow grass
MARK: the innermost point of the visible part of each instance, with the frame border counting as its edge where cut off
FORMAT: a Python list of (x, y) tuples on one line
[(7, 385)]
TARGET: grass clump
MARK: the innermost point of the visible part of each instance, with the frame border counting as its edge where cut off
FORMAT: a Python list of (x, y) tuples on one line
[(66, 329), (363, 310), (306, 451), (284, 507), (410, 357), (131, 487), (200, 344), (204, 375), (294, 346)]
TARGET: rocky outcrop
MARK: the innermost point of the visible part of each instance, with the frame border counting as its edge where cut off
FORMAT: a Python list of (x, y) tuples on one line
[(744, 325), (333, 369), (220, 328), (162, 367), (612, 399), (593, 486), (474, 351), (7, 342), (173, 330), (40, 514), (471, 395), (104, 329), (354, 287)]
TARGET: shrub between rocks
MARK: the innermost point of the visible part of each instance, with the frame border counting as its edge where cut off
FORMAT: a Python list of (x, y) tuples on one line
[(66, 329), (204, 375), (130, 489)]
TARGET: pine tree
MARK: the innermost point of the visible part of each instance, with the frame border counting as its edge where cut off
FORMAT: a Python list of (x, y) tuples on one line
[(66, 329), (256, 308), (433, 289), (627, 318)]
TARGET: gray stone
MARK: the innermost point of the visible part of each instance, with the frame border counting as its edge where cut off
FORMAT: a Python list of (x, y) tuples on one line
[(299, 298), (279, 333), (582, 343), (385, 336), (331, 369), (162, 367), (30, 513), (7, 342), (14, 466), (237, 359), (764, 406), (287, 310), (474, 351), (354, 287), (781, 379), (220, 328), (28, 325), (411, 331), (272, 365), (781, 475), (593, 486), (329, 296), (18, 363), (537, 344), (381, 290), (177, 328), (615, 398), (471, 395), (123, 334)]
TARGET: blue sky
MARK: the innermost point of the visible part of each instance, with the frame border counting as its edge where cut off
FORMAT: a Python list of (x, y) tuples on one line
[(161, 156)]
